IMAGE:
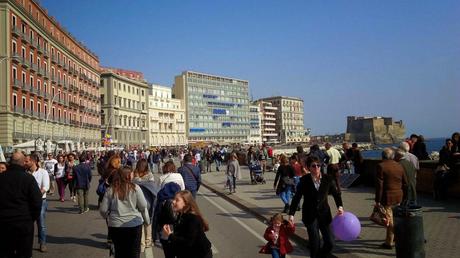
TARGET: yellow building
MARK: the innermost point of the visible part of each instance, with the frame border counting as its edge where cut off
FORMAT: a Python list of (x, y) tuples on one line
[(124, 109), (49, 81), (166, 118)]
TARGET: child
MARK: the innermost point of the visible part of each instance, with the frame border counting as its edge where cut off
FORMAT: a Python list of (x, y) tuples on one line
[(277, 235)]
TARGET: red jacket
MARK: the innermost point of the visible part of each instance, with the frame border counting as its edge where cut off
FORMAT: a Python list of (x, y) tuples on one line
[(285, 246)]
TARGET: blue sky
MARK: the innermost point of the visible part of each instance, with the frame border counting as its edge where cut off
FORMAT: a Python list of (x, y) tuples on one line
[(369, 57)]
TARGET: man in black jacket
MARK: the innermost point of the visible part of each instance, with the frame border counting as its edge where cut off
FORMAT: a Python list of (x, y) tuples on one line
[(20, 205), (316, 213)]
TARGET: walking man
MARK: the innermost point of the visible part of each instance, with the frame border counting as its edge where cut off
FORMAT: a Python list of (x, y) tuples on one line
[(49, 166), (82, 173), (191, 175), (389, 190), (43, 182), (333, 163), (20, 205)]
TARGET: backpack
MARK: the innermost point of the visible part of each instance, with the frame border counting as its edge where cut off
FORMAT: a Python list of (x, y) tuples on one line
[(101, 187), (167, 214)]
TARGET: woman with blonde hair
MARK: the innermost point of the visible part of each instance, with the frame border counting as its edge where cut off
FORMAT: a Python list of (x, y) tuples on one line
[(125, 209), (189, 238), (284, 181)]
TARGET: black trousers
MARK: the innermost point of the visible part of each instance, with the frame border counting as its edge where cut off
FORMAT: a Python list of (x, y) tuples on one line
[(168, 249), (127, 241), (314, 240), (16, 239)]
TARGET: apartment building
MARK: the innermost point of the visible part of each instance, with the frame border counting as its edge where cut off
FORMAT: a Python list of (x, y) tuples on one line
[(289, 119), (124, 110), (255, 118), (166, 120), (268, 121), (49, 80), (217, 107)]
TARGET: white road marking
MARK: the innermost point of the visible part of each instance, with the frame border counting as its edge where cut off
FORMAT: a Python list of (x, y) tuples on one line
[(257, 235)]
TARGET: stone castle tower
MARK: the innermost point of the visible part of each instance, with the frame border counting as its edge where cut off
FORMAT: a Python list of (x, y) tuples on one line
[(378, 130)]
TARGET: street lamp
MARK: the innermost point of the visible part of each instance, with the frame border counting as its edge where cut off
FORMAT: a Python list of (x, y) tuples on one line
[(50, 103), (81, 125)]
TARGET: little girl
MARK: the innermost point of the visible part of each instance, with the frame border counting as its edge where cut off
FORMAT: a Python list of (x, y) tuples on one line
[(277, 235)]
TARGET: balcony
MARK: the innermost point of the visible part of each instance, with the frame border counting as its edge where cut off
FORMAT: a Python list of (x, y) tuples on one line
[(33, 44), (46, 74), (53, 79), (65, 85), (39, 49), (40, 71), (46, 53), (54, 59), (59, 82), (17, 84), (33, 67), (25, 38), (70, 70), (16, 31), (32, 90), (16, 58), (25, 63), (143, 111), (65, 66), (18, 110), (144, 128), (59, 63)]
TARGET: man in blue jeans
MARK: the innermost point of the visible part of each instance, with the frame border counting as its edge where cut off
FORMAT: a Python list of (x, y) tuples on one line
[(43, 181), (191, 175)]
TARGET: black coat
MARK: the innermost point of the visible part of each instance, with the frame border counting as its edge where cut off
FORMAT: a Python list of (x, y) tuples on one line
[(283, 171), (315, 203), (189, 239), (20, 197)]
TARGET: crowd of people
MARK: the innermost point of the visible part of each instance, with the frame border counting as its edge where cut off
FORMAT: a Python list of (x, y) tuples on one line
[(141, 209)]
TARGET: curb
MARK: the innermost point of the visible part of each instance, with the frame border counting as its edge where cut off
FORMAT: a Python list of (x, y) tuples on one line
[(250, 208)]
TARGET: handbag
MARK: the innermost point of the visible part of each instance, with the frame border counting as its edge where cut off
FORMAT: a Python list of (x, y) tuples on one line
[(288, 181), (379, 216)]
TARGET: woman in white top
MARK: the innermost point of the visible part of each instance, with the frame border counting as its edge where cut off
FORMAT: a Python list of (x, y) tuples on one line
[(170, 175), (59, 172)]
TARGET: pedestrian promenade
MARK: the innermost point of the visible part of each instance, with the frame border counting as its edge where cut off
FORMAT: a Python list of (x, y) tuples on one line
[(441, 218)]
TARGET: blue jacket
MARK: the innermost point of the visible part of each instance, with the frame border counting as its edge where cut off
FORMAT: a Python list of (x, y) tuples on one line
[(192, 182), (82, 176)]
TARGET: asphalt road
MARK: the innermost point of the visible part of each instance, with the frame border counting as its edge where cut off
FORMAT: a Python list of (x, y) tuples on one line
[(233, 232)]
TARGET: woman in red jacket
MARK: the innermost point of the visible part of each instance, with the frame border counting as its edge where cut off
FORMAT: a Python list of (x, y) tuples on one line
[(277, 235)]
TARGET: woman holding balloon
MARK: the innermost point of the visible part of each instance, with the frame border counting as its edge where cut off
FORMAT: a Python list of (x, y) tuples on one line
[(316, 213)]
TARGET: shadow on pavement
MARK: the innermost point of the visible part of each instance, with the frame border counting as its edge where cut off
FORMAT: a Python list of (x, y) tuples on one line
[(70, 210), (100, 236), (77, 241)]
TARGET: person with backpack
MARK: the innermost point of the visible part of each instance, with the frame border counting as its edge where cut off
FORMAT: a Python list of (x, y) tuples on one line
[(82, 178), (191, 175), (145, 180), (165, 215)]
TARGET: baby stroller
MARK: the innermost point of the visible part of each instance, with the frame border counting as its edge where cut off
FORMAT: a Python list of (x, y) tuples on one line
[(256, 174)]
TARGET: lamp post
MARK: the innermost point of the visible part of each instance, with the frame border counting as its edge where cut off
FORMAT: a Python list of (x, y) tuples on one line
[(50, 103), (81, 125)]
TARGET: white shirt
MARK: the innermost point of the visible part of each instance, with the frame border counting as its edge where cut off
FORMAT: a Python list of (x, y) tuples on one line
[(43, 180), (317, 183), (171, 177), (334, 156), (197, 156), (49, 165)]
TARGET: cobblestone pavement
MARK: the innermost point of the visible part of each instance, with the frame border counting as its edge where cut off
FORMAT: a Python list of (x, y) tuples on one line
[(441, 219)]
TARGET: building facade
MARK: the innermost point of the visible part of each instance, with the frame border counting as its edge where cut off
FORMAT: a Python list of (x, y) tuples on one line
[(217, 107), (378, 130), (49, 80), (124, 105), (268, 121), (166, 120), (255, 120), (289, 119)]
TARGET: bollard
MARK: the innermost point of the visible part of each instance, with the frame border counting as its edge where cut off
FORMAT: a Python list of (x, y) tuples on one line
[(408, 230)]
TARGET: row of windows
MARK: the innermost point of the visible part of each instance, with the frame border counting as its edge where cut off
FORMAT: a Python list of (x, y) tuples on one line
[(55, 112), (55, 32), (237, 91), (128, 103), (128, 88)]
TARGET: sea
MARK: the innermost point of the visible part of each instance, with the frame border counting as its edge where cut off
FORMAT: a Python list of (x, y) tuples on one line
[(432, 144)]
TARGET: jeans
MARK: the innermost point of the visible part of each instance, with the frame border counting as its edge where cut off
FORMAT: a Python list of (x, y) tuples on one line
[(285, 195), (231, 182), (82, 199), (61, 187), (313, 230), (127, 241), (218, 164), (41, 223), (276, 253)]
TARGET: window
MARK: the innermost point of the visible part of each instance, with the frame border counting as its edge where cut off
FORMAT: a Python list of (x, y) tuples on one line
[(32, 105), (39, 84), (53, 112), (31, 57), (39, 107), (24, 103), (23, 52), (59, 113), (45, 87), (142, 93), (15, 100), (15, 73), (31, 81), (46, 109), (23, 28), (14, 21), (38, 62), (14, 47)]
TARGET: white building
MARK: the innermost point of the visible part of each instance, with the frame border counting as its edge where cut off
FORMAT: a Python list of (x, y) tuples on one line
[(166, 119), (255, 119)]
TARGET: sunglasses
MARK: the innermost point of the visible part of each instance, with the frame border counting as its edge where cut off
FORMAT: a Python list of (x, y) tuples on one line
[(314, 165)]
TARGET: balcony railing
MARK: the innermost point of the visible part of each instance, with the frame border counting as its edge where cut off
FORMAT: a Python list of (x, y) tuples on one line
[(32, 43), (16, 31), (46, 53), (54, 59), (17, 84), (33, 67), (25, 62)]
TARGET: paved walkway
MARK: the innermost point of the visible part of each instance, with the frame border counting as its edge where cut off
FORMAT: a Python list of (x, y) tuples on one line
[(441, 219)]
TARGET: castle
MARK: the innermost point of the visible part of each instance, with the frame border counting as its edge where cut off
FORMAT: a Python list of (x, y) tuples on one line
[(378, 130)]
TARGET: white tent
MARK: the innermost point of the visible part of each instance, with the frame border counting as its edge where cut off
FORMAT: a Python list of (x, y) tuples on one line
[(24, 145)]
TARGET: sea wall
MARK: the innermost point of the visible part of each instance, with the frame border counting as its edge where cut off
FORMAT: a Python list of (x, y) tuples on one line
[(425, 177)]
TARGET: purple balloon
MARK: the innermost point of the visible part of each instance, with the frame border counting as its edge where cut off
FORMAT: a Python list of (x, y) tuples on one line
[(346, 227)]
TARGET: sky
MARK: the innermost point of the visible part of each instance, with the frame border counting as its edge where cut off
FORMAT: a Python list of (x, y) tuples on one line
[(364, 58)]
